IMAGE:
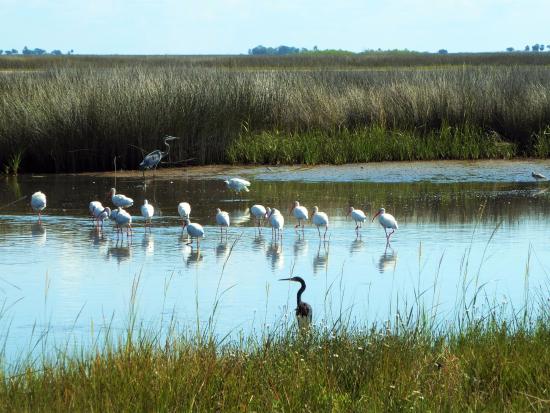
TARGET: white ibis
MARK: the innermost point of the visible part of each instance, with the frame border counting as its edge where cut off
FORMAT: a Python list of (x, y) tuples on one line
[(194, 230), (123, 220), (537, 175), (320, 219), (237, 184), (222, 219), (184, 210), (259, 213), (304, 312), (147, 211), (276, 220), (358, 216), (119, 200), (300, 213), (99, 213), (387, 221), (38, 203), (93, 206)]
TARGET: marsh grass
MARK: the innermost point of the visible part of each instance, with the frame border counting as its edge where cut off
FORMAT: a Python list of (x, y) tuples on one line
[(77, 113)]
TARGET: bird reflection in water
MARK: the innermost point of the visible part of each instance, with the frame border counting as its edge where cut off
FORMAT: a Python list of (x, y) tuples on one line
[(357, 244), (388, 260), (258, 242), (320, 261), (148, 244), (222, 249), (300, 246), (121, 251), (274, 254), (240, 216), (38, 232), (194, 257), (96, 236)]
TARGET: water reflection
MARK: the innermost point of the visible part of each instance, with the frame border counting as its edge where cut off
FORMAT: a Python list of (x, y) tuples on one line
[(274, 254), (222, 249), (193, 257), (121, 252), (240, 216), (300, 246), (388, 260), (356, 245), (148, 243), (320, 261), (258, 242), (38, 232)]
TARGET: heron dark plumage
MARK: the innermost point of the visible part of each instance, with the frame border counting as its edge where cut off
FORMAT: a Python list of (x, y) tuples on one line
[(304, 312), (152, 160)]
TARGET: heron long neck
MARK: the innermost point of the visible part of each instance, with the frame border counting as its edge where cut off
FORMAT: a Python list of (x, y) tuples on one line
[(300, 291), (168, 146)]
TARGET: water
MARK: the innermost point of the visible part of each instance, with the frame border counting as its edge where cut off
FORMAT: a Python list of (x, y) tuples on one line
[(66, 279)]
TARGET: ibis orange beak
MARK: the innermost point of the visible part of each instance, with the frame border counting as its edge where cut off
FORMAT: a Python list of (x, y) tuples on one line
[(378, 213)]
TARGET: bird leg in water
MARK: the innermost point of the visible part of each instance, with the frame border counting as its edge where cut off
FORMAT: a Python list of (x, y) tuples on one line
[(325, 234)]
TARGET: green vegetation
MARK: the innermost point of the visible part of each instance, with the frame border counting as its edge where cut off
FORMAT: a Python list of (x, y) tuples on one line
[(76, 113), (486, 365)]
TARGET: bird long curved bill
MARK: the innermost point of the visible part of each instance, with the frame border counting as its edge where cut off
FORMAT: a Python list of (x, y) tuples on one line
[(378, 213)]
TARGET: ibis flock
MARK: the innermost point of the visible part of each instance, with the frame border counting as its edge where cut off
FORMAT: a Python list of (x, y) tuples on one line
[(123, 221)]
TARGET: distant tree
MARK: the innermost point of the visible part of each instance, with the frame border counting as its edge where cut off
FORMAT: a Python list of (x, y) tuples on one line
[(548, 47), (14, 51), (26, 51), (535, 47), (541, 48), (56, 52), (315, 49), (442, 51), (509, 49), (1, 51), (527, 48), (70, 51), (38, 51)]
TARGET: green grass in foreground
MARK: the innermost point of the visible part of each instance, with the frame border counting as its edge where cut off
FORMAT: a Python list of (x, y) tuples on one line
[(490, 365), (367, 145)]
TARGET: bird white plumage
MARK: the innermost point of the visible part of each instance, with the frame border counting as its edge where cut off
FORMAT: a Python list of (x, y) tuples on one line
[(387, 221), (537, 175), (119, 200), (320, 219), (237, 184), (358, 216), (123, 220), (147, 211), (276, 220), (38, 203), (222, 219), (93, 206), (259, 213), (194, 230), (184, 210), (300, 213)]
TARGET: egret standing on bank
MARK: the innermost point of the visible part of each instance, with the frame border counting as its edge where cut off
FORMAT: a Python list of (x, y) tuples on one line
[(387, 221), (358, 216), (300, 213), (304, 312), (152, 160), (38, 203), (147, 211), (320, 219)]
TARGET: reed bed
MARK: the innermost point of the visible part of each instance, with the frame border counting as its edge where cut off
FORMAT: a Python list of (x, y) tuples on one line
[(65, 115)]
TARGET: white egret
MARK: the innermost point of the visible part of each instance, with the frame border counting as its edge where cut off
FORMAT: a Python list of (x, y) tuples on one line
[(300, 213), (537, 175), (320, 219), (222, 219), (147, 211), (358, 216), (237, 184), (119, 200), (387, 221), (38, 203)]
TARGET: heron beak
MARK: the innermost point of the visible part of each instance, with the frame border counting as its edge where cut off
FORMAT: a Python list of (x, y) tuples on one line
[(378, 213), (285, 279)]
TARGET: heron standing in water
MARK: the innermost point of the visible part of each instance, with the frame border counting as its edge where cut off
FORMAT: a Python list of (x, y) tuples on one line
[(304, 312), (152, 160)]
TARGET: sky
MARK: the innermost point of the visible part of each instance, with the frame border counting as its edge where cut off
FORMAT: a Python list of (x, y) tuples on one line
[(234, 26)]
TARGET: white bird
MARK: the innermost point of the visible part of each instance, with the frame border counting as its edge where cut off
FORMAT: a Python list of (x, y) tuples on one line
[(194, 230), (237, 184), (184, 209), (147, 211), (259, 213), (93, 206), (38, 203), (537, 175), (119, 200), (320, 219), (358, 216), (276, 220), (222, 219), (387, 221), (300, 213), (123, 220), (100, 213)]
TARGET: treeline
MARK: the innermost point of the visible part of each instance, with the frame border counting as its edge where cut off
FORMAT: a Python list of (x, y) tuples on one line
[(34, 52)]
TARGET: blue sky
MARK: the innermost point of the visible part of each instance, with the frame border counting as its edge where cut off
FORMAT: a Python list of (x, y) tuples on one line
[(234, 26)]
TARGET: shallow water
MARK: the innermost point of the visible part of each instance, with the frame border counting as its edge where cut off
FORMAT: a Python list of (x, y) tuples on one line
[(68, 279)]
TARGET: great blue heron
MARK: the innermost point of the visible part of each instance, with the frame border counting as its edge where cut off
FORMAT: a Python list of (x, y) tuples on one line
[(304, 312), (152, 160), (38, 203)]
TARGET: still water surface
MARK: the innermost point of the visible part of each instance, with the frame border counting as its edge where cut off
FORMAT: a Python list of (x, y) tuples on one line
[(65, 278)]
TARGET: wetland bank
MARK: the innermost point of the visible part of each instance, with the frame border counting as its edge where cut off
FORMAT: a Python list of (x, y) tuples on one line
[(452, 316)]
